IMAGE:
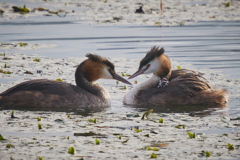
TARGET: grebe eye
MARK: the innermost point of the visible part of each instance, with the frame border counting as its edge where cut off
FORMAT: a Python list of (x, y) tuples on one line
[(148, 65)]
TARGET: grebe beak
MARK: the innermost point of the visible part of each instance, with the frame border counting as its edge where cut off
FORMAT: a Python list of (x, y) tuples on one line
[(137, 73), (117, 77)]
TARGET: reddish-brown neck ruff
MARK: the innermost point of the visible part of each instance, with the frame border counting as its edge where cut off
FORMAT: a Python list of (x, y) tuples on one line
[(92, 71), (165, 69)]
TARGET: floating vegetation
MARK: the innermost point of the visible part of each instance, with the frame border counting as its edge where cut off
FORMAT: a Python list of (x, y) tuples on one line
[(36, 60), (153, 155), (28, 72), (124, 87), (59, 80), (146, 135), (68, 115), (12, 114), (20, 9), (7, 66), (149, 148), (137, 130), (40, 158), (155, 149), (178, 67), (97, 141), (178, 127), (22, 44), (161, 120), (10, 146), (71, 150), (1, 137), (128, 75), (146, 114), (120, 136), (93, 120), (228, 4), (5, 72), (89, 134), (38, 118), (208, 154), (230, 146), (117, 82), (191, 135), (125, 141), (68, 138), (135, 82), (123, 74), (40, 126), (3, 54)]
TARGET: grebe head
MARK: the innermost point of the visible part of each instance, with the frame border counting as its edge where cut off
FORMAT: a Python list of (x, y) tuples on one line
[(155, 62), (96, 67)]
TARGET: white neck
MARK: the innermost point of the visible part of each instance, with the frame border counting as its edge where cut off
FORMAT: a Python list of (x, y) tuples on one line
[(129, 98)]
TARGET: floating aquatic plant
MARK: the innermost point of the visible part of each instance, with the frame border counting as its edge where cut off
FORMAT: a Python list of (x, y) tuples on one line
[(117, 82), (208, 154), (149, 148), (128, 75), (59, 80), (71, 150), (230, 146), (3, 54), (93, 120), (97, 141), (68, 138), (36, 60), (12, 114), (120, 136), (178, 127), (123, 74), (155, 149), (39, 118), (22, 44), (40, 126), (40, 158), (146, 135), (191, 135), (228, 4), (178, 67), (69, 115), (135, 82), (10, 146), (146, 114), (153, 155), (161, 120), (1, 137), (125, 141), (137, 130)]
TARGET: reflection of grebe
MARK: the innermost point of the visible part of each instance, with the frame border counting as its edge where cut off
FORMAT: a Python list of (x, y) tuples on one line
[(48, 93), (171, 87)]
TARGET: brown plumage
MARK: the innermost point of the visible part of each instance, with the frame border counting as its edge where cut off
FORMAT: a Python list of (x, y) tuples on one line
[(185, 87)]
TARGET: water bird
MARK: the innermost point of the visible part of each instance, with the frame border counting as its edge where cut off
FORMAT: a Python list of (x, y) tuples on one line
[(140, 10), (171, 87), (49, 93)]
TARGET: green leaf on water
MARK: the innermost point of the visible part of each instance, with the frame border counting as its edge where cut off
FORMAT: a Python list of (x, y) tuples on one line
[(161, 120), (146, 114), (40, 158), (69, 115), (21, 44), (38, 118), (124, 87), (230, 146), (153, 155), (155, 149), (191, 135), (1, 137), (128, 75), (146, 135), (125, 141), (36, 60), (59, 80), (12, 112), (40, 126), (10, 146), (34, 138), (93, 120), (228, 4), (120, 136), (137, 130), (149, 148), (71, 150), (123, 74), (183, 126), (208, 154), (178, 67), (4, 113), (97, 141), (68, 138), (178, 127)]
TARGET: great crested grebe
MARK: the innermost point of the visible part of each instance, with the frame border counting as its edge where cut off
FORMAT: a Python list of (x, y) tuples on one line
[(171, 87), (49, 93)]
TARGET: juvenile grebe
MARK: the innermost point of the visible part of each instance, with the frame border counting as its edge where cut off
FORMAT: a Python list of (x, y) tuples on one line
[(49, 93), (171, 87)]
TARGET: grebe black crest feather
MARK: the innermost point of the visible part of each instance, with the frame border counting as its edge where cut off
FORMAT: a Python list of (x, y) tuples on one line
[(97, 58), (153, 53)]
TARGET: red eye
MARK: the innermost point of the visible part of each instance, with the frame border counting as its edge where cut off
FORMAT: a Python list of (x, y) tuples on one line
[(148, 65)]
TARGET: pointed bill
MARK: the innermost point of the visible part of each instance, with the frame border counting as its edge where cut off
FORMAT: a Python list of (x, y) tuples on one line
[(117, 77), (137, 73)]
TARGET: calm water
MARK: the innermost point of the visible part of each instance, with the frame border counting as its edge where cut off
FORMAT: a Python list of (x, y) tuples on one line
[(211, 45)]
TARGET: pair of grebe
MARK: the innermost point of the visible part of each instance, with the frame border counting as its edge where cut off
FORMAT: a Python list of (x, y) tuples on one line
[(165, 87)]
